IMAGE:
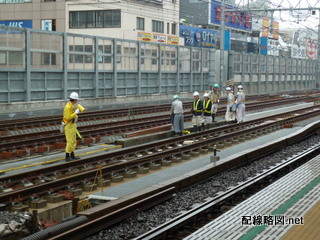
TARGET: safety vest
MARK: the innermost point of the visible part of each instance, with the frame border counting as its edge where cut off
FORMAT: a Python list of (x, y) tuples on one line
[(196, 104), (206, 106)]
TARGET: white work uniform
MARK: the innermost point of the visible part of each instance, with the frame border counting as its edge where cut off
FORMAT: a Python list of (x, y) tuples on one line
[(230, 113), (241, 109)]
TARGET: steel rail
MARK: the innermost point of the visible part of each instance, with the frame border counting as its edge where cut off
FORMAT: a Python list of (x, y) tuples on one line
[(109, 113), (207, 139), (21, 141), (142, 148), (99, 221), (166, 230)]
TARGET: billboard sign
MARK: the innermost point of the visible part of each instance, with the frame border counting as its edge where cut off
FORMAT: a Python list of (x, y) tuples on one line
[(159, 38), (275, 30), (264, 45), (273, 47), (265, 27), (198, 37), (173, 40), (304, 44), (234, 19), (46, 25), (145, 37), (17, 23)]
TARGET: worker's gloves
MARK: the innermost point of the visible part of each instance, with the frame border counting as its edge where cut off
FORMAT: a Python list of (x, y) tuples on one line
[(77, 110)]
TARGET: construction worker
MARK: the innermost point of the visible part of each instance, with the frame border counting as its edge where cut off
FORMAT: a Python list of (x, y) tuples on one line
[(69, 123), (230, 113), (215, 99), (177, 112), (197, 118), (241, 108), (207, 105)]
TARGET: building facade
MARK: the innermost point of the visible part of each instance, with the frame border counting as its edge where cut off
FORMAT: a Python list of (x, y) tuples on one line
[(145, 20)]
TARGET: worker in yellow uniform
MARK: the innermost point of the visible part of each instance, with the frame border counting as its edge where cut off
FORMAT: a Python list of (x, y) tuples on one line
[(69, 125)]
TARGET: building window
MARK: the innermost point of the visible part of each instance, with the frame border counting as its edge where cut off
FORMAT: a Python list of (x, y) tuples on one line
[(174, 1), (140, 23), (168, 28), (80, 54), (174, 28), (95, 19), (157, 26), (48, 59), (112, 18)]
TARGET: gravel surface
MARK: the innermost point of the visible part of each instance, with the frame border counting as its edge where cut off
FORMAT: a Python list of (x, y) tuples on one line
[(14, 225), (185, 200)]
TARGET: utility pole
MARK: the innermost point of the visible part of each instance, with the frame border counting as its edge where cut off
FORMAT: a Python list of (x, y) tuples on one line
[(222, 39)]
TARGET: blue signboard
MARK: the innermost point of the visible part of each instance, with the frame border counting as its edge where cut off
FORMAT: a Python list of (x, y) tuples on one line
[(235, 19), (198, 37), (227, 40), (17, 23), (264, 45)]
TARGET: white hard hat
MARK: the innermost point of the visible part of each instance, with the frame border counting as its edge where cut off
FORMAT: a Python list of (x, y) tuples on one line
[(175, 96), (228, 88), (240, 86), (196, 93), (206, 95), (74, 96)]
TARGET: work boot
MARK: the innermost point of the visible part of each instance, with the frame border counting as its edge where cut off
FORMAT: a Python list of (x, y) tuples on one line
[(213, 117), (74, 157), (203, 127), (199, 128), (68, 158)]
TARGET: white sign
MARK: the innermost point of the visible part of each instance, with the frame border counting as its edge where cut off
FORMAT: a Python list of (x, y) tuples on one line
[(46, 25), (273, 47), (304, 44)]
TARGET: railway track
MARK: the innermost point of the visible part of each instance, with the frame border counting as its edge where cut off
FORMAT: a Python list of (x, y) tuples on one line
[(94, 221), (99, 114), (17, 145), (62, 176), (190, 221)]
